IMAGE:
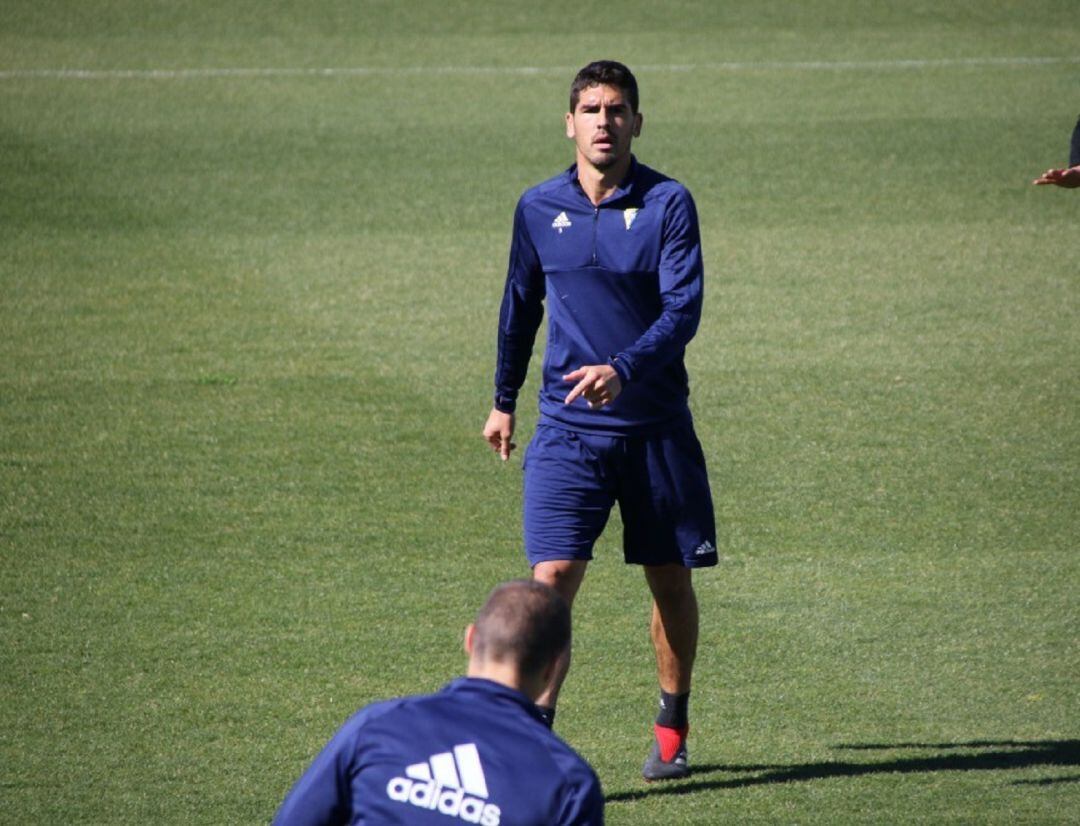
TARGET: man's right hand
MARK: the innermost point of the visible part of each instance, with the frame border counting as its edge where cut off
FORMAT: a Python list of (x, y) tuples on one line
[(1068, 178), (498, 430)]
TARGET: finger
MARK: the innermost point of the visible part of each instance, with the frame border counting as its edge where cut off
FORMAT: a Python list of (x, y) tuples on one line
[(575, 375), (579, 388)]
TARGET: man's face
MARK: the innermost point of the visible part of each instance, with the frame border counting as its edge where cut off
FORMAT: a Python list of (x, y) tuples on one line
[(602, 126)]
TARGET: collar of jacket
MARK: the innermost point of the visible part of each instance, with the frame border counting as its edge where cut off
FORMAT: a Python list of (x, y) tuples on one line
[(624, 189)]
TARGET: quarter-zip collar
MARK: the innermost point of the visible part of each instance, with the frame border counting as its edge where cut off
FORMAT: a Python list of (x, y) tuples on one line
[(625, 187)]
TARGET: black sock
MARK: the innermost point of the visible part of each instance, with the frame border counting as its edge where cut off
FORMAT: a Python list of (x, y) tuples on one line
[(548, 713), (674, 710)]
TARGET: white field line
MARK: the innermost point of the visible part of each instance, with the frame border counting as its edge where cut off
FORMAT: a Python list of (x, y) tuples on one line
[(395, 71)]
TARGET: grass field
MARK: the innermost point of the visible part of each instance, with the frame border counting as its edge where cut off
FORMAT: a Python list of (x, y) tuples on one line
[(247, 327)]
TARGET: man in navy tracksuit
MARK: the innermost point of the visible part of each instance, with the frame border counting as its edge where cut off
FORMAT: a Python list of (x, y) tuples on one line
[(613, 248), (476, 752)]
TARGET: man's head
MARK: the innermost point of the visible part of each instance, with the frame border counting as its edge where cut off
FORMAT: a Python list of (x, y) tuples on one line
[(603, 119), (605, 73), (518, 635)]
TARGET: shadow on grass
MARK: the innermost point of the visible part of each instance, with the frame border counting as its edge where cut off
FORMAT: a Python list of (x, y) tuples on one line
[(978, 755)]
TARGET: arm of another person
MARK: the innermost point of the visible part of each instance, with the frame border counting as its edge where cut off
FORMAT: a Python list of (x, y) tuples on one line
[(583, 803), (519, 318), (323, 794)]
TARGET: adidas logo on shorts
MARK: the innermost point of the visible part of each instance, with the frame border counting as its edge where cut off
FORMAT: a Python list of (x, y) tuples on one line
[(451, 783)]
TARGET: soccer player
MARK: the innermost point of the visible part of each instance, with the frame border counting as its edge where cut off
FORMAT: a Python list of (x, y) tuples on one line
[(613, 247), (477, 751), (1070, 177)]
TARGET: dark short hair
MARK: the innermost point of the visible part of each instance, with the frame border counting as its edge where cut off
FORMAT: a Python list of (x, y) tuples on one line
[(524, 622), (605, 73)]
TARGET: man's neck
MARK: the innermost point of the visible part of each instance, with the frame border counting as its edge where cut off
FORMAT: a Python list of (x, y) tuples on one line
[(505, 675), (598, 184)]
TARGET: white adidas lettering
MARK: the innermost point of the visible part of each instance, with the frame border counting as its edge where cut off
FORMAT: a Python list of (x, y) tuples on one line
[(561, 222), (704, 549), (451, 783)]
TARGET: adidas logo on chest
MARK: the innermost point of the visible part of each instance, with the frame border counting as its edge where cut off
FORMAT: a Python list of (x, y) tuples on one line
[(561, 222), (451, 783)]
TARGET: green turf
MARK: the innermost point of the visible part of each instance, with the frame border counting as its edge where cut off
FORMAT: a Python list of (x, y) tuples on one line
[(246, 340)]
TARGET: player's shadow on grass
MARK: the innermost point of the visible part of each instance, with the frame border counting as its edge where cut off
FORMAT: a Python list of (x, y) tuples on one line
[(974, 756)]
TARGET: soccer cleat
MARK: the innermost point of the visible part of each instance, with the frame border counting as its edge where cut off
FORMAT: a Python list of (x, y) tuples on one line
[(668, 759)]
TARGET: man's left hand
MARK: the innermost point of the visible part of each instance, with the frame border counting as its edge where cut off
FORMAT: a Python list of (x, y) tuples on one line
[(598, 383)]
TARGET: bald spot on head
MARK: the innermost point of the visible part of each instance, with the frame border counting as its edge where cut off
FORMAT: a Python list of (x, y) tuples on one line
[(524, 623)]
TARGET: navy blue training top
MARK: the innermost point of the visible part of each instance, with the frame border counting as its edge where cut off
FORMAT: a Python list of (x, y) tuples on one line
[(475, 752), (623, 285)]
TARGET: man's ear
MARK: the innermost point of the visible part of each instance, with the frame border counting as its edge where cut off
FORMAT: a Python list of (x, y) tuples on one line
[(638, 120), (470, 629), (570, 125)]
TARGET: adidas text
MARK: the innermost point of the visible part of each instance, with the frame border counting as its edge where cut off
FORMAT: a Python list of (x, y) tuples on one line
[(453, 802), (705, 548), (451, 783), (561, 222)]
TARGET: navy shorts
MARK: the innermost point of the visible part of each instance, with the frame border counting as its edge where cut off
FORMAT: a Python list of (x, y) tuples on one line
[(572, 480)]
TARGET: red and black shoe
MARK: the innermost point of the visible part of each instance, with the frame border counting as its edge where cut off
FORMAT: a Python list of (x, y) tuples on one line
[(668, 759)]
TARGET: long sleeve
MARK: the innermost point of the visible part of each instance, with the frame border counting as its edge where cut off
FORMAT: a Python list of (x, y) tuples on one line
[(681, 277), (584, 806), (519, 316), (323, 796)]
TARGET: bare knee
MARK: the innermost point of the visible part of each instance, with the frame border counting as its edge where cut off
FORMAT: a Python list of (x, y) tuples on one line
[(670, 584), (564, 575)]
